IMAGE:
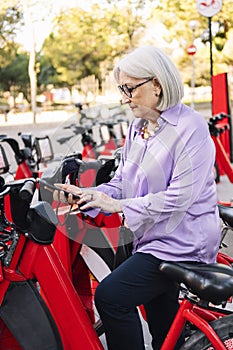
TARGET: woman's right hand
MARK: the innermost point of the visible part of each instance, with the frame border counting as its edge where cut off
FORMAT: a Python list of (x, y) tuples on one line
[(67, 193)]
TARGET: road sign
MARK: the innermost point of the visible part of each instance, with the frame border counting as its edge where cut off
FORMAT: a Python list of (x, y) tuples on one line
[(209, 8), (192, 50)]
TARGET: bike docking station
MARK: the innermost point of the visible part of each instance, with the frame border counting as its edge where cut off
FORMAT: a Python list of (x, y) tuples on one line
[(220, 127), (220, 122)]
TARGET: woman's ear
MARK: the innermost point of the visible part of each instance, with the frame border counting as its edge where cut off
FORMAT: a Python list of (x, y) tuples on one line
[(156, 87)]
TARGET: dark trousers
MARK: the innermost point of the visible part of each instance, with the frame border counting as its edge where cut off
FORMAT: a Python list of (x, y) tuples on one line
[(135, 282)]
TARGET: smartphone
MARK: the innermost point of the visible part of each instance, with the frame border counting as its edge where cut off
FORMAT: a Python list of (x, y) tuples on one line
[(53, 187)]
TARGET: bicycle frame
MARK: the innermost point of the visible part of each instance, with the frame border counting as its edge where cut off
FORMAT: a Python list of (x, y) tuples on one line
[(219, 132), (67, 249), (32, 261), (65, 306), (186, 313), (40, 262), (70, 251), (68, 242), (27, 166)]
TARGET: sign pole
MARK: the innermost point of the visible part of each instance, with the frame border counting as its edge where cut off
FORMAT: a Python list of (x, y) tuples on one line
[(209, 9), (211, 47), (191, 51)]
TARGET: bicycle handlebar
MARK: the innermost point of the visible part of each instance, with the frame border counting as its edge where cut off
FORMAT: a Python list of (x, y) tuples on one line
[(5, 192), (39, 220), (27, 191), (15, 147)]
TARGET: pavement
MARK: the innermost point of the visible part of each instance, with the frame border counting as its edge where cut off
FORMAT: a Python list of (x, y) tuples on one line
[(26, 118)]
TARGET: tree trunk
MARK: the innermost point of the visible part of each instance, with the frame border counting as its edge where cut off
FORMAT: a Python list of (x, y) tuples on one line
[(33, 80), (32, 60)]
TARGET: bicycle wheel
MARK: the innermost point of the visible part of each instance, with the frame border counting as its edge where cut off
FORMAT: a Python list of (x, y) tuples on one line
[(223, 327)]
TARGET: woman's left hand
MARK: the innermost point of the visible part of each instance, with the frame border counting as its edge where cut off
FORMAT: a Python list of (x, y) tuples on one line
[(92, 199), (95, 199)]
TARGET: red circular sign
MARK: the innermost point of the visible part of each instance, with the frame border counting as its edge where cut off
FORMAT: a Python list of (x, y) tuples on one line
[(209, 8), (192, 50)]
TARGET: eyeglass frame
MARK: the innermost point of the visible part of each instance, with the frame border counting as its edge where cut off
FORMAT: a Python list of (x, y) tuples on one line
[(129, 90)]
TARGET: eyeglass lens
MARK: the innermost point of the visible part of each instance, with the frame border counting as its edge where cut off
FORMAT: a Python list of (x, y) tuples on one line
[(128, 90)]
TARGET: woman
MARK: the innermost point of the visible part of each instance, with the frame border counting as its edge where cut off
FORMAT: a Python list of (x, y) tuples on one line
[(165, 188)]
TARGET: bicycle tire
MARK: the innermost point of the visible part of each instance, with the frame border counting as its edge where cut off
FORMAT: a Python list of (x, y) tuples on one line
[(223, 327)]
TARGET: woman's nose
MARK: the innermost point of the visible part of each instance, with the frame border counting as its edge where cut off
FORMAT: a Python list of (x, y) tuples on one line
[(125, 99)]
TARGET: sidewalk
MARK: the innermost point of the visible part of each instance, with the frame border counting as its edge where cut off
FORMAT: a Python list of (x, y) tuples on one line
[(61, 115), (41, 117)]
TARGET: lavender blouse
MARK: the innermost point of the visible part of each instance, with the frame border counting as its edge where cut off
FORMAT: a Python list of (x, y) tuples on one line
[(167, 189)]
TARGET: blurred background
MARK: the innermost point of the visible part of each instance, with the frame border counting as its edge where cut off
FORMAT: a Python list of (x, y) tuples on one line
[(58, 54), (56, 61)]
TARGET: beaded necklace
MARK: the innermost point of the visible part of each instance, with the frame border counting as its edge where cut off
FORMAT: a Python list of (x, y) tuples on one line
[(146, 133)]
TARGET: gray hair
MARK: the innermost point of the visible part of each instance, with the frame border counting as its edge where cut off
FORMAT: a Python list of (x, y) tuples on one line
[(148, 62)]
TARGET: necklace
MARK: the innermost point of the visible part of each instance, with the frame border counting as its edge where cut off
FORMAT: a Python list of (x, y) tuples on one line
[(146, 133)]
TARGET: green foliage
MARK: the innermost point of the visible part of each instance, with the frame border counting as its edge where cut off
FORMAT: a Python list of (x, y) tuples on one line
[(175, 16), (10, 20), (87, 42), (228, 49), (47, 74), (82, 40), (15, 75)]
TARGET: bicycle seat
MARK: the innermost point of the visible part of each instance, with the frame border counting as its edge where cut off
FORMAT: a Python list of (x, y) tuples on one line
[(226, 214), (210, 282)]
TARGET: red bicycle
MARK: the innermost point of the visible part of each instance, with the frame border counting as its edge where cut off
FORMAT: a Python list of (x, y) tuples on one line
[(86, 246), (83, 245), (33, 157), (219, 131), (40, 308)]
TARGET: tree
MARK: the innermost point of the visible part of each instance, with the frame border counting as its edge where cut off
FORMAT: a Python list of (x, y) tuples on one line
[(82, 40), (14, 75), (10, 20), (46, 73), (175, 16), (34, 11), (228, 49), (27, 5)]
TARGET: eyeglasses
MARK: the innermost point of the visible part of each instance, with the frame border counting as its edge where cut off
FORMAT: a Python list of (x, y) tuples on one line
[(128, 90)]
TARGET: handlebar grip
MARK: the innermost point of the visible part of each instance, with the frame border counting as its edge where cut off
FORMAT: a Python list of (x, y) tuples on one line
[(27, 191)]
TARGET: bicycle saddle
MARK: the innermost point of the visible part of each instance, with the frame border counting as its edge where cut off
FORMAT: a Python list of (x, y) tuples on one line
[(210, 282), (226, 214)]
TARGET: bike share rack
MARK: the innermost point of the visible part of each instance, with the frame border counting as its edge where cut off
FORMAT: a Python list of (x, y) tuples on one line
[(220, 125)]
